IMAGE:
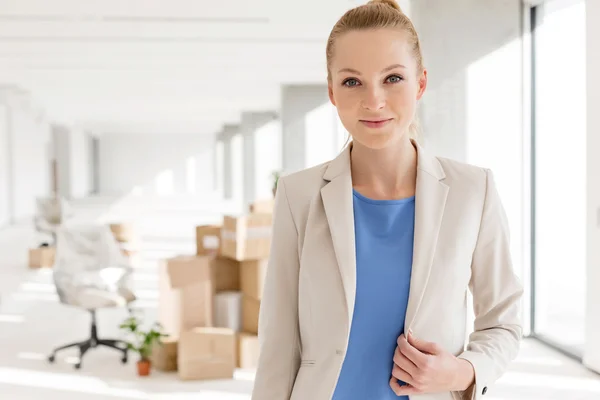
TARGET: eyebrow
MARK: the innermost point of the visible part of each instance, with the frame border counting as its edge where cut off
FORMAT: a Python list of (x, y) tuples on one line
[(353, 71)]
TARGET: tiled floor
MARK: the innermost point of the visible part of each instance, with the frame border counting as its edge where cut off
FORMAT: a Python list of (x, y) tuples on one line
[(32, 322)]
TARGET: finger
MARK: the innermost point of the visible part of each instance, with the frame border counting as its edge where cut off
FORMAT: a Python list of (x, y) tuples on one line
[(404, 363), (423, 345), (412, 353), (402, 375), (402, 390)]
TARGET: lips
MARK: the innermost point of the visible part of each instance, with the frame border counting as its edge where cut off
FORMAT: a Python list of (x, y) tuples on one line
[(375, 123)]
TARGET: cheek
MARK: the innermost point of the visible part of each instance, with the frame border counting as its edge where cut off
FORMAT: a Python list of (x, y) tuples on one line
[(402, 100), (346, 103)]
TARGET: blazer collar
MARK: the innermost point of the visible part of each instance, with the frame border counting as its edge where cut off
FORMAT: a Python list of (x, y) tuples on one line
[(425, 162)]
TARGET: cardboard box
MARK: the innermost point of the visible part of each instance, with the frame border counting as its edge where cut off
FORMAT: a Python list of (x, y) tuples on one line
[(252, 276), (207, 353), (248, 351), (186, 293), (164, 355), (247, 237), (263, 206), (228, 310), (42, 257), (123, 231), (250, 314), (208, 240), (226, 274)]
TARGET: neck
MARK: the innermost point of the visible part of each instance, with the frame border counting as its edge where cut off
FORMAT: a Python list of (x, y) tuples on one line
[(390, 172)]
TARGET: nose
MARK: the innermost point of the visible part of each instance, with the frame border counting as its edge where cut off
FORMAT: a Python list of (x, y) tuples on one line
[(374, 99)]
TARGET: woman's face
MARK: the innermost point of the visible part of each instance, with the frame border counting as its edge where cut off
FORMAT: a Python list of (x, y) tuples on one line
[(375, 85)]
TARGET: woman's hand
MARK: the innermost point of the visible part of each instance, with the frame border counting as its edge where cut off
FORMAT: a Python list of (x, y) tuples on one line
[(427, 368)]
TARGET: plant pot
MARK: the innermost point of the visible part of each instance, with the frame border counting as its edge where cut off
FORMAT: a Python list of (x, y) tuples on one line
[(143, 367)]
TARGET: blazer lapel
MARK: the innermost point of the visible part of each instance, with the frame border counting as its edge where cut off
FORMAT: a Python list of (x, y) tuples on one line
[(430, 200), (337, 201)]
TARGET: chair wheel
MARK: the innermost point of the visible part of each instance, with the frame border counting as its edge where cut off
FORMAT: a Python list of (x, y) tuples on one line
[(51, 358), (78, 365)]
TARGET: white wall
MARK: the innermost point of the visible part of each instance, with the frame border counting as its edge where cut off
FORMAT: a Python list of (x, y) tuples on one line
[(31, 161), (24, 156), (4, 167), (298, 105), (267, 141), (155, 163), (73, 154), (592, 350), (80, 159)]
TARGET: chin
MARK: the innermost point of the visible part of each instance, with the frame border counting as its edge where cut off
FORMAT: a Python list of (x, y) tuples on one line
[(376, 141)]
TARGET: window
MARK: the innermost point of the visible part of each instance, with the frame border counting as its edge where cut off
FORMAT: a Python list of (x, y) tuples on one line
[(559, 174)]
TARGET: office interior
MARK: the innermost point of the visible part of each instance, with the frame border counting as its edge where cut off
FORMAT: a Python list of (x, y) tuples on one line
[(159, 130)]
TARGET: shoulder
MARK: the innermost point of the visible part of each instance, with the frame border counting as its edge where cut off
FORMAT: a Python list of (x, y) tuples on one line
[(301, 187), (457, 171), (465, 178)]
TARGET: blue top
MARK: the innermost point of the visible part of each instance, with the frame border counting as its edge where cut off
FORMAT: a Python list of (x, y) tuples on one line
[(384, 231)]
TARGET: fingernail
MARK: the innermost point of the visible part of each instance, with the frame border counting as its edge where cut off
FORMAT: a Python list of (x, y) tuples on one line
[(410, 332)]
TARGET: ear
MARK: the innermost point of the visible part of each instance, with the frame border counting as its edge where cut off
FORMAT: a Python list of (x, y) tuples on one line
[(330, 91), (422, 84)]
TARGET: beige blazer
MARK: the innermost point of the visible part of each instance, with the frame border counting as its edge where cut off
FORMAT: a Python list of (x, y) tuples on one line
[(461, 243)]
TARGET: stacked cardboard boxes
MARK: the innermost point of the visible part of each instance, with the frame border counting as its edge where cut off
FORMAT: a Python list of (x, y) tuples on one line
[(247, 240), (209, 303)]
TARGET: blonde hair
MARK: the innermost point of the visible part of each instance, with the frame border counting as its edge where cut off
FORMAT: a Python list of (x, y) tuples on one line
[(378, 14)]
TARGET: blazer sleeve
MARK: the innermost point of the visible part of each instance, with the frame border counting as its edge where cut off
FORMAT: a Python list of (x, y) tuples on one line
[(278, 330), (497, 296)]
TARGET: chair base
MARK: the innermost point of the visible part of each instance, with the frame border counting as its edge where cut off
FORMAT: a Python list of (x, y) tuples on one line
[(92, 342)]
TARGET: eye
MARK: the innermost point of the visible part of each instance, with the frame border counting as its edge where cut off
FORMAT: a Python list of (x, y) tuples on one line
[(394, 79), (350, 82)]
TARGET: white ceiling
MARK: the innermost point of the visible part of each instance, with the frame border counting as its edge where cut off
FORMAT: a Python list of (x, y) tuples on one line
[(141, 65)]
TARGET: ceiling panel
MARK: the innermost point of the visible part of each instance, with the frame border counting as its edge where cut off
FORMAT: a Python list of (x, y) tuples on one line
[(118, 63), (141, 8)]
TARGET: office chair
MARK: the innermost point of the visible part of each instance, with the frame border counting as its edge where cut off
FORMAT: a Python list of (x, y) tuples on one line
[(90, 272), (51, 212)]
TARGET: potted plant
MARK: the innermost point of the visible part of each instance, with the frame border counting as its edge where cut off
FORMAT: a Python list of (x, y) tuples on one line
[(142, 341), (275, 175)]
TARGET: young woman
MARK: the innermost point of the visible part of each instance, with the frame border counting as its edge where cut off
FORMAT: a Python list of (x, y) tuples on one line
[(374, 252)]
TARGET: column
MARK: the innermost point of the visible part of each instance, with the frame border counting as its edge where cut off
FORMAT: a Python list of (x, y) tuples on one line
[(297, 102), (226, 136), (24, 159), (591, 354), (180, 177), (217, 162), (251, 122)]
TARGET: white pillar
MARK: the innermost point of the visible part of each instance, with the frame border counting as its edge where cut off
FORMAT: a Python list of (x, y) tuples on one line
[(180, 177), (591, 355), (297, 102), (251, 121), (229, 131), (24, 160), (217, 162), (5, 166)]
